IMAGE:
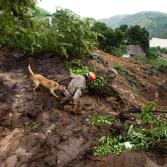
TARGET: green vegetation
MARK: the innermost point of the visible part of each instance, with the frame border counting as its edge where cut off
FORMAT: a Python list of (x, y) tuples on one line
[(99, 87), (138, 36), (146, 115), (120, 68), (77, 68), (99, 120), (157, 51), (158, 62), (118, 51), (17, 29), (109, 40), (69, 36), (39, 12), (146, 135), (115, 41), (154, 22), (75, 33)]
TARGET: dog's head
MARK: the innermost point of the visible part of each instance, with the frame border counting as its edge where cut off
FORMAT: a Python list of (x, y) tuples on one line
[(62, 88), (58, 86)]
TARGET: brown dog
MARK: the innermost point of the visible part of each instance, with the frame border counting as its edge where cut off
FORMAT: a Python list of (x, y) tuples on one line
[(39, 79)]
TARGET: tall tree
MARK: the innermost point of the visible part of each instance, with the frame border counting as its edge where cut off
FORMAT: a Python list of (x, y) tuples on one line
[(123, 27), (138, 35)]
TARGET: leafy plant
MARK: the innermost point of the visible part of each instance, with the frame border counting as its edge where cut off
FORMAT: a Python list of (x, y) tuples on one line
[(117, 52), (68, 36), (159, 63), (109, 145), (143, 137), (146, 114), (82, 70), (99, 120), (76, 32), (17, 25), (137, 35), (120, 68), (99, 86)]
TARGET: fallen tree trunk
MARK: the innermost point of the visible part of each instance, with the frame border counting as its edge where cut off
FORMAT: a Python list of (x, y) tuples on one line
[(138, 110)]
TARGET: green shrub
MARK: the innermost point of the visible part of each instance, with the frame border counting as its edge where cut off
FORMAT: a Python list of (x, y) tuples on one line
[(158, 62), (99, 86), (154, 52), (17, 28), (117, 52), (109, 145), (68, 36), (76, 32), (120, 68)]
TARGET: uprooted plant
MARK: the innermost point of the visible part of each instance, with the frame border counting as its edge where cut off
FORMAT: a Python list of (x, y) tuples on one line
[(145, 135)]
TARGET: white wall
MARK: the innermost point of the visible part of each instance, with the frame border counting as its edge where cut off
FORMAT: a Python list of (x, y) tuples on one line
[(158, 42)]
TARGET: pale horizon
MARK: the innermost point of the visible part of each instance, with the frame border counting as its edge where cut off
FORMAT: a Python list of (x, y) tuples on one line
[(104, 9)]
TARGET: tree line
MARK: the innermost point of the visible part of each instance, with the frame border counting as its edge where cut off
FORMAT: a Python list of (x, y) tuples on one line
[(69, 35)]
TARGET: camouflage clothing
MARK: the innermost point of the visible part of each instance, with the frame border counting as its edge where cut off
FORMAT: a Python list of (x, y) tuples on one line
[(76, 88)]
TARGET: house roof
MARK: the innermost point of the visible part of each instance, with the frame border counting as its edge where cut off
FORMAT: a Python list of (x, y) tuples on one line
[(135, 50), (164, 55)]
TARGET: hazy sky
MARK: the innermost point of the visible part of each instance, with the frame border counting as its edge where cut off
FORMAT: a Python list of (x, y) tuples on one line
[(105, 8)]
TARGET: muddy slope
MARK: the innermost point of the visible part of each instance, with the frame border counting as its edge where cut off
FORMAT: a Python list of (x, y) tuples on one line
[(35, 131)]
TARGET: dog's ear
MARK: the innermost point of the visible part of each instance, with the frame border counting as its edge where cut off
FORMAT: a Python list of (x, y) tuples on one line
[(56, 85)]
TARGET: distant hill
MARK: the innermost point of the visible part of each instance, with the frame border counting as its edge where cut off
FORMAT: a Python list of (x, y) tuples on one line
[(154, 22), (39, 12)]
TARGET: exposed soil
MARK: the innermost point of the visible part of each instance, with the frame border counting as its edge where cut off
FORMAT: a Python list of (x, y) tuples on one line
[(36, 131)]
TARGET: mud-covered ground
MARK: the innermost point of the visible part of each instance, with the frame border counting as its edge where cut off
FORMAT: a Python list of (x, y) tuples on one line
[(36, 131)]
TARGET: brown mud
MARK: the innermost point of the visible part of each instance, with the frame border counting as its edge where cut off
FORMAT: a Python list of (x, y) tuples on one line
[(36, 131)]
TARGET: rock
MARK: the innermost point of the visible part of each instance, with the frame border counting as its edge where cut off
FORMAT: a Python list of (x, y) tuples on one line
[(18, 54), (69, 151), (10, 84), (150, 69), (51, 160), (22, 152), (11, 161), (94, 55), (112, 73)]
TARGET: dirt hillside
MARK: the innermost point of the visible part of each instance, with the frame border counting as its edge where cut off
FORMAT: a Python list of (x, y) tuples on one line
[(36, 131)]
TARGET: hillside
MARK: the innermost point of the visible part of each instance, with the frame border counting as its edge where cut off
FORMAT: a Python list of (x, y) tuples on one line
[(154, 22), (35, 130)]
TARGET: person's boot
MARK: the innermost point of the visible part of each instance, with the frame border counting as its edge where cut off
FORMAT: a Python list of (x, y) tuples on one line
[(64, 100)]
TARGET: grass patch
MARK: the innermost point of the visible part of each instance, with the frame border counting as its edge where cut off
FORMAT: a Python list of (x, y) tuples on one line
[(120, 68)]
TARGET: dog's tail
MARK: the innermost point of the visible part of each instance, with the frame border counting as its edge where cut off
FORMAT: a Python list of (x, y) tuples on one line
[(30, 70)]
